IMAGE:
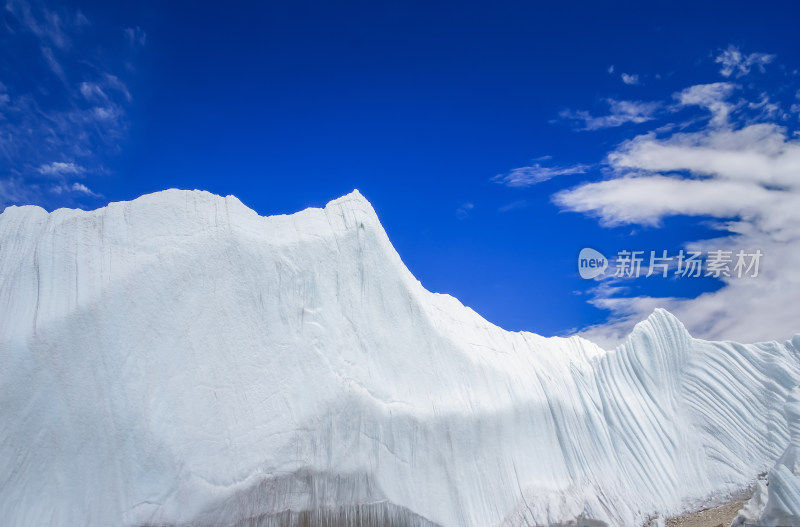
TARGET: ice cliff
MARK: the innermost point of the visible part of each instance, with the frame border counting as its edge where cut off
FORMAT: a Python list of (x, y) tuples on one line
[(776, 501), (180, 360)]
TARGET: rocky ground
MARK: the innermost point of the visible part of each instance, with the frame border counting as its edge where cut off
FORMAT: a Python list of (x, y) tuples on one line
[(721, 516)]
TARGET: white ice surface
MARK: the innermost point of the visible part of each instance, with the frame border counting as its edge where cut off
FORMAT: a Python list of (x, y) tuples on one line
[(776, 501), (180, 360)]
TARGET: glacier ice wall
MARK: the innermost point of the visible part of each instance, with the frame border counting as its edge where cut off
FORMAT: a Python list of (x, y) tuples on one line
[(776, 501), (180, 360)]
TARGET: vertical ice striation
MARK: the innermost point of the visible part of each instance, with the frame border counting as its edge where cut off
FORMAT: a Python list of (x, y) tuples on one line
[(777, 504), (180, 360)]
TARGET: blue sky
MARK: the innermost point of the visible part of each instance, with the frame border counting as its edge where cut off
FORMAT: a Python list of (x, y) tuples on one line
[(495, 140)]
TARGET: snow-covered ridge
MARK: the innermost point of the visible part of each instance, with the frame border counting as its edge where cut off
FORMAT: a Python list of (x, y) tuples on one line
[(181, 360)]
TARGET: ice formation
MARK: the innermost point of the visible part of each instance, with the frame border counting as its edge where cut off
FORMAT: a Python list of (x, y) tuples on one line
[(180, 360), (777, 504)]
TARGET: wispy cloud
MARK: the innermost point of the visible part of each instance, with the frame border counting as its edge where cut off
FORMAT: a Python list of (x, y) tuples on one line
[(630, 78), (79, 188), (713, 97), (739, 168), (621, 112), (61, 116), (531, 175), (54, 65), (727, 153), (58, 168), (735, 63), (15, 190), (463, 211), (83, 189), (519, 204), (760, 154), (136, 36), (47, 25)]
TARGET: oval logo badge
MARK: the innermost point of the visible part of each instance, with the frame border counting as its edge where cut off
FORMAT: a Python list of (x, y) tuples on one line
[(591, 263)]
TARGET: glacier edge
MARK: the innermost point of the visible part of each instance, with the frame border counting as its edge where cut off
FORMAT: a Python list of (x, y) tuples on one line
[(181, 360)]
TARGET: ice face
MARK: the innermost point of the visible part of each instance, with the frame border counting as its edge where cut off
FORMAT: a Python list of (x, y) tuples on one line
[(180, 360), (776, 501)]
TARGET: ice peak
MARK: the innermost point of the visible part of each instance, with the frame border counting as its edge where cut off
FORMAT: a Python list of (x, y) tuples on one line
[(658, 325), (662, 315), (354, 206), (353, 195), (354, 200)]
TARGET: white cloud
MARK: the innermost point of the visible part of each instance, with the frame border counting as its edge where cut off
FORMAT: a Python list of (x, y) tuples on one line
[(519, 204), (92, 92), (98, 92), (736, 63), (738, 172), (622, 112), (44, 23), (60, 169), (463, 211), (105, 113), (748, 178), (611, 69), (75, 188), (55, 67), (83, 189), (766, 108), (647, 199), (60, 117), (745, 309), (81, 21), (531, 175), (136, 36), (14, 190), (112, 81), (758, 153), (630, 79), (713, 97)]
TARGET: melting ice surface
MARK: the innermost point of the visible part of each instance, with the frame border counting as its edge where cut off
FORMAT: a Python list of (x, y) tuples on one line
[(180, 360)]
